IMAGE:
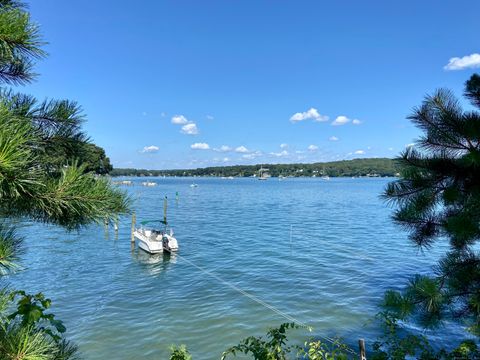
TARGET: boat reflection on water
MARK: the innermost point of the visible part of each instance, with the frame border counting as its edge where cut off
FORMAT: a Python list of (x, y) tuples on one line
[(156, 263)]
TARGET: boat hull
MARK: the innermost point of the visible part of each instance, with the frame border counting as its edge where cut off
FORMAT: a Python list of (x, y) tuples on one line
[(155, 243), (148, 245)]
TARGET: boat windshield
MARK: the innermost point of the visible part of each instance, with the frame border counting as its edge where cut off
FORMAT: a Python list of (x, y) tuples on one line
[(146, 222)]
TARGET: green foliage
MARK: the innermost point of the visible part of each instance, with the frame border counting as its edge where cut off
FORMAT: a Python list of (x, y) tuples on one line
[(467, 350), (356, 167), (19, 43), (46, 175), (273, 348), (393, 346), (318, 350), (19, 342), (179, 353), (76, 199), (438, 197), (65, 350), (398, 344), (30, 187), (55, 125), (94, 159), (30, 332), (31, 309), (472, 89), (10, 249)]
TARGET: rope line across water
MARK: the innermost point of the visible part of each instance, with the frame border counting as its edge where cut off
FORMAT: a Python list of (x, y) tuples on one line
[(257, 300), (253, 297)]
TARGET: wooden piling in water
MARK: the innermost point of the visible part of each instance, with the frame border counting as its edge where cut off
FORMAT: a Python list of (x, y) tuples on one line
[(361, 345), (133, 227), (105, 228)]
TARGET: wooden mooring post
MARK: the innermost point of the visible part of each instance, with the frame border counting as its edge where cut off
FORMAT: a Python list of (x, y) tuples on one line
[(134, 218), (361, 345), (105, 228)]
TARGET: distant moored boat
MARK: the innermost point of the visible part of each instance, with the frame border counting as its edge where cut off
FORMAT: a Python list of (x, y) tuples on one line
[(263, 174)]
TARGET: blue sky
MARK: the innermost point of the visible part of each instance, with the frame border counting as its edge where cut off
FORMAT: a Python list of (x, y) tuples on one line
[(252, 81)]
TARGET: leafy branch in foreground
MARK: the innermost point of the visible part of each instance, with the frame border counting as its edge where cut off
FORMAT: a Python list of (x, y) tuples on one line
[(437, 198), (45, 164), (10, 249), (20, 43), (394, 344), (319, 350), (30, 332), (31, 310), (273, 348), (179, 353), (68, 196), (398, 344)]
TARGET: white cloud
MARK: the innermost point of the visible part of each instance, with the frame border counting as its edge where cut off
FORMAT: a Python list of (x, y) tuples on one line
[(179, 120), (283, 146), (209, 117), (223, 148), (150, 149), (356, 122), (312, 148), (359, 152), (241, 149), (253, 155), (280, 154), (340, 120), (410, 145), (311, 113), (225, 159), (200, 146), (468, 61), (390, 149), (190, 129), (333, 138)]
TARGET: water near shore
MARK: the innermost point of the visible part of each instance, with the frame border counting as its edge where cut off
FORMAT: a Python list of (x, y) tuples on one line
[(118, 304)]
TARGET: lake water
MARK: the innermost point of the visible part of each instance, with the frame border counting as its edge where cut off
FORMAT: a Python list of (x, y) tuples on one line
[(320, 251)]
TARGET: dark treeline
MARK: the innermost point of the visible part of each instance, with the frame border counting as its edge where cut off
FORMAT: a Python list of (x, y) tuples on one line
[(357, 167)]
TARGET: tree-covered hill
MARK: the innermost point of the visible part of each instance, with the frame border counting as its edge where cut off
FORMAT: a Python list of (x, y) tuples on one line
[(356, 167)]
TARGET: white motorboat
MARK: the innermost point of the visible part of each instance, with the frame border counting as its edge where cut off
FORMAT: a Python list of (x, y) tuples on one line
[(157, 239)]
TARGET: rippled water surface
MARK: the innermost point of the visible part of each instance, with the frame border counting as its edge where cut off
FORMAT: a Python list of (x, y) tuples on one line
[(320, 251)]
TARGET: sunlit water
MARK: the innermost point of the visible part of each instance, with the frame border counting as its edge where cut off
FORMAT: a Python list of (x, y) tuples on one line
[(321, 251)]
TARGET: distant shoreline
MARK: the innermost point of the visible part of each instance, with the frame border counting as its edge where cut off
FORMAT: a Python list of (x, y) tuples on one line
[(368, 167), (252, 177)]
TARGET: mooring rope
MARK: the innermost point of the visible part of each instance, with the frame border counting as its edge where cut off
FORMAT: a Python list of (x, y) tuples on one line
[(255, 298), (259, 301)]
